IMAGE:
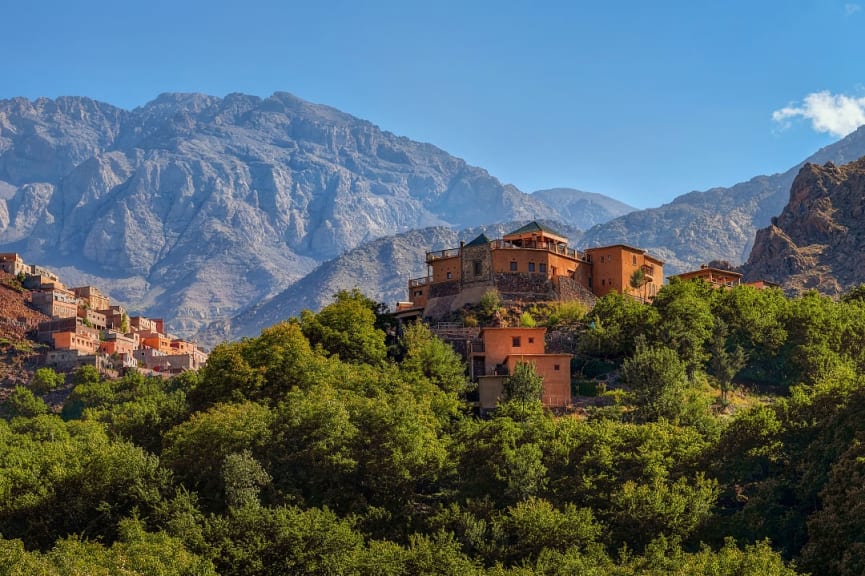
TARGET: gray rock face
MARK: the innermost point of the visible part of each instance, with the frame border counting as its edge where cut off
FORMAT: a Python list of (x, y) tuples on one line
[(193, 207), (718, 224), (583, 209)]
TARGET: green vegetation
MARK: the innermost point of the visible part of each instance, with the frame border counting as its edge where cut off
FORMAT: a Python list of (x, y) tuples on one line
[(314, 448)]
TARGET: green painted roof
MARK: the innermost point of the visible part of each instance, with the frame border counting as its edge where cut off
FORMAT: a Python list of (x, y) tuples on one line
[(481, 240), (533, 226)]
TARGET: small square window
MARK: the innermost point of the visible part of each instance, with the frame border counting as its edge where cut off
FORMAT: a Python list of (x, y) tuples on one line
[(531, 340), (531, 266), (542, 268), (556, 367), (515, 342), (513, 266)]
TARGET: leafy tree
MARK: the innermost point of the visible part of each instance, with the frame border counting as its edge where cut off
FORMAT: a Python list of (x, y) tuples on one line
[(45, 380), (686, 320), (196, 449), (347, 328), (637, 280), (724, 364), (617, 320), (22, 402), (657, 380), (489, 303), (429, 356), (524, 386), (243, 477)]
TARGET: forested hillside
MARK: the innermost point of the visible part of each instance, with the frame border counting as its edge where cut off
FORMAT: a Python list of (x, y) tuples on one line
[(324, 447)]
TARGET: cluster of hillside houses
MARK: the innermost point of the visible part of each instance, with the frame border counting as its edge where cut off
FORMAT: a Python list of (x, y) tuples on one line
[(85, 328), (533, 263)]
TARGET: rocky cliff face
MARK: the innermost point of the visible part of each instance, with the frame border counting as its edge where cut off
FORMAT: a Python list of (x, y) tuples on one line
[(718, 224), (818, 241), (193, 207)]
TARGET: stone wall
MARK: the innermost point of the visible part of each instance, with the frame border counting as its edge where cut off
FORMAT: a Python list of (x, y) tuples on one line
[(442, 289), (520, 285), (570, 289), (477, 265)]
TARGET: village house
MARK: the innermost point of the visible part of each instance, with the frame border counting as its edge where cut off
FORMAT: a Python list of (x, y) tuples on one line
[(91, 297), (530, 263), (496, 353), (715, 277), (85, 328), (12, 263)]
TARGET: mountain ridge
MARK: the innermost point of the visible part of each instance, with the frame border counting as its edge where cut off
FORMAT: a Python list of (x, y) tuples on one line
[(192, 206)]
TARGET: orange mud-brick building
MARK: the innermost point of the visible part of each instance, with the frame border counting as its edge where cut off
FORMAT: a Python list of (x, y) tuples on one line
[(613, 267), (715, 277), (496, 354), (532, 263)]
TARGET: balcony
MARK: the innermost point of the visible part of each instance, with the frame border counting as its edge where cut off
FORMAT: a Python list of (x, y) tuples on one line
[(417, 282), (442, 254), (544, 246)]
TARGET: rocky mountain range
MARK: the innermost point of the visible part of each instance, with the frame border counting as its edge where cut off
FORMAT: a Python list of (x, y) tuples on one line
[(193, 207), (717, 224), (818, 240)]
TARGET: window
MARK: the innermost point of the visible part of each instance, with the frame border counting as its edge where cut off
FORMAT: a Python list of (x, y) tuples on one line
[(531, 266), (556, 367), (515, 342), (542, 268), (531, 340), (634, 259), (450, 275), (513, 266), (590, 282), (603, 282), (477, 267)]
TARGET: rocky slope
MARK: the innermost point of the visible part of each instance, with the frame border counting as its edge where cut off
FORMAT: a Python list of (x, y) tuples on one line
[(583, 209), (716, 224), (818, 241), (381, 268), (192, 207)]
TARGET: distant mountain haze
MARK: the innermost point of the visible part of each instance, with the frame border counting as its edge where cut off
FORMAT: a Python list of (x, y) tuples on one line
[(193, 207)]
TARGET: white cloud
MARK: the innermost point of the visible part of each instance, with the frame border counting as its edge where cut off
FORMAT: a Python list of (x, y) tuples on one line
[(850, 9), (838, 114)]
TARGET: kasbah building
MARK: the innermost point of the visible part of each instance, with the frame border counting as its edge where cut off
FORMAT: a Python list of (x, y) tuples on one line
[(532, 263)]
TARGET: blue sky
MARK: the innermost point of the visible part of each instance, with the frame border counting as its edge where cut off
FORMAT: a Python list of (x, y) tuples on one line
[(642, 101)]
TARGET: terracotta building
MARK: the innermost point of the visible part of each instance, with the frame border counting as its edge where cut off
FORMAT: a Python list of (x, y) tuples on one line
[(56, 303), (498, 351), (91, 296), (530, 263), (714, 276), (614, 267)]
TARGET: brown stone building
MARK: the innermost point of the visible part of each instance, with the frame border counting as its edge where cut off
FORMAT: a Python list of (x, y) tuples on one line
[(530, 263), (496, 354)]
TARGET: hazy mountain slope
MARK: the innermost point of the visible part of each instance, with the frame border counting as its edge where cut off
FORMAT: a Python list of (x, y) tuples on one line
[(583, 209), (818, 241), (381, 268), (719, 223), (193, 207)]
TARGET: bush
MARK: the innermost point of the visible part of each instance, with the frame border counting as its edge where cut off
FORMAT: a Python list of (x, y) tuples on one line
[(526, 320)]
